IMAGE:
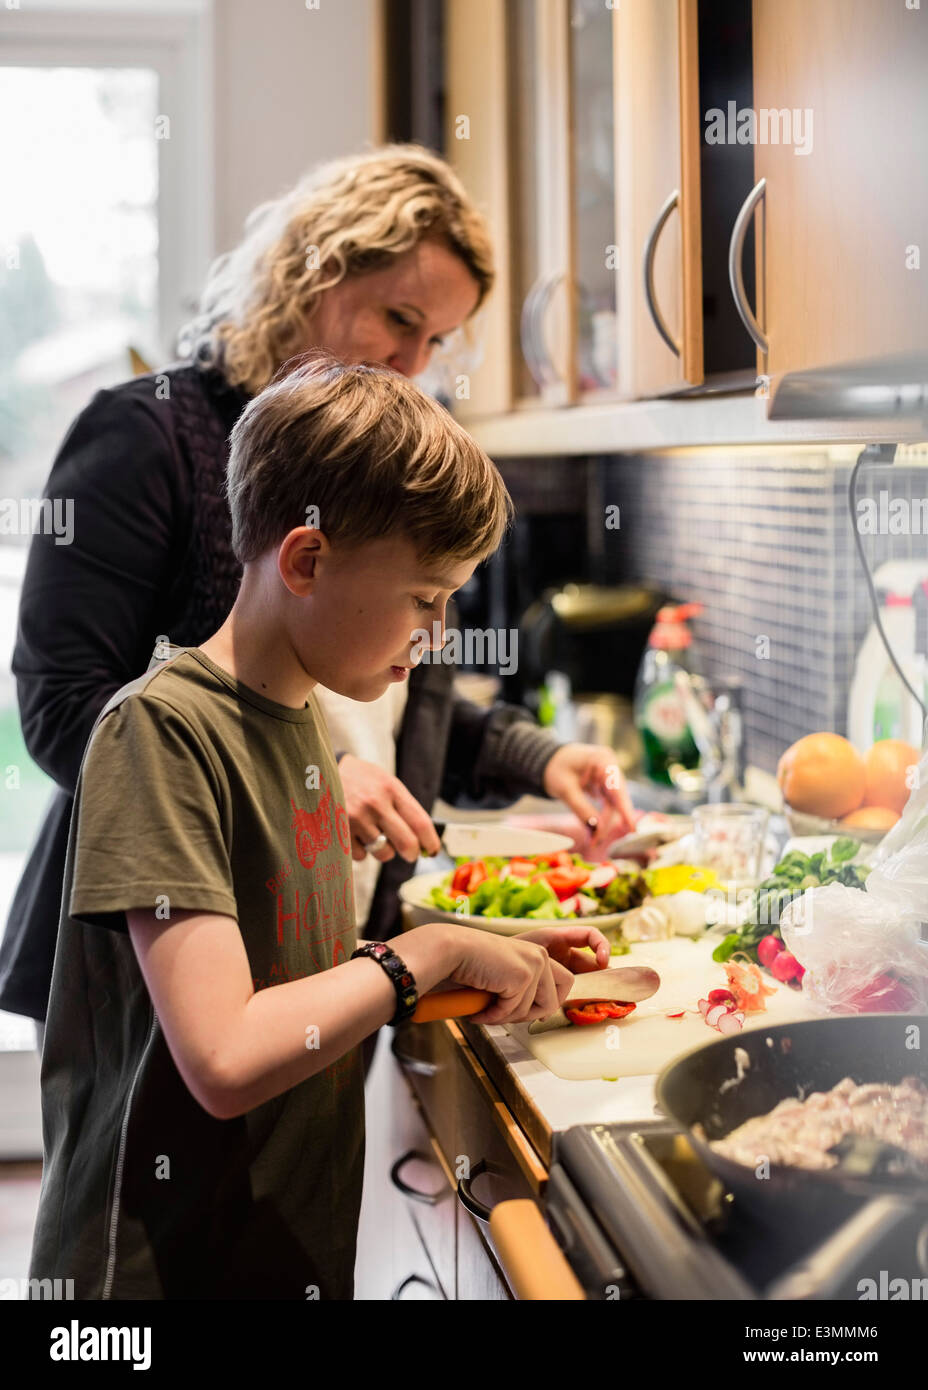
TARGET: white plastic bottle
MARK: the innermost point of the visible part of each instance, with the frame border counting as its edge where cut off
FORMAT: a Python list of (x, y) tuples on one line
[(879, 705)]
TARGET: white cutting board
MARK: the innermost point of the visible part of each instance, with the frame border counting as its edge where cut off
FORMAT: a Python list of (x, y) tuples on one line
[(647, 1040)]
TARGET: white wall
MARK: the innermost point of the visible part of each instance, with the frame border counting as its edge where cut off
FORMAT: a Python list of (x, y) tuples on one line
[(293, 86)]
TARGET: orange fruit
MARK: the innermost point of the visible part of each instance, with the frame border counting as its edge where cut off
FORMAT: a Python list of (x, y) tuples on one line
[(823, 775), (871, 818), (886, 765)]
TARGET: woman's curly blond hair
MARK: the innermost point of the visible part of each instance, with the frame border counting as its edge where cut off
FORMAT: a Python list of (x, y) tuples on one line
[(344, 217)]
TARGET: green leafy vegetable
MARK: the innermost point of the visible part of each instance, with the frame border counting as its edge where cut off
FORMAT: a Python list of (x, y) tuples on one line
[(792, 876)]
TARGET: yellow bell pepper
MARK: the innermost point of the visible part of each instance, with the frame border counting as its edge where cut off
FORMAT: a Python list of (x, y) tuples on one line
[(674, 878)]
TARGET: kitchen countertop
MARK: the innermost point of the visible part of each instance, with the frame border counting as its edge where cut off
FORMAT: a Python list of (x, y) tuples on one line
[(544, 1103)]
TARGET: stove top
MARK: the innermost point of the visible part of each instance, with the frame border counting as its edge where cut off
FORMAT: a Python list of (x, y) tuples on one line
[(638, 1215)]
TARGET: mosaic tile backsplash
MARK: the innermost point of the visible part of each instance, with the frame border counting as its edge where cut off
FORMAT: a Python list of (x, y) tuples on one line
[(764, 540)]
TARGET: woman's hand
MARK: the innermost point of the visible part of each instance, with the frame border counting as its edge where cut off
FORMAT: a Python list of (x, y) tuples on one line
[(564, 944), (578, 771), (379, 804)]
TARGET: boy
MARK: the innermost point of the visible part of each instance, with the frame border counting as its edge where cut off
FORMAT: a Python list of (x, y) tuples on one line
[(202, 1086)]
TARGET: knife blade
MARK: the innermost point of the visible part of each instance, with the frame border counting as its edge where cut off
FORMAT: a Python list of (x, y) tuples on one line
[(464, 840), (628, 984)]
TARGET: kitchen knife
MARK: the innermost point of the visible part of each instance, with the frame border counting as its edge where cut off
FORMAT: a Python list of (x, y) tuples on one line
[(628, 983), (463, 840)]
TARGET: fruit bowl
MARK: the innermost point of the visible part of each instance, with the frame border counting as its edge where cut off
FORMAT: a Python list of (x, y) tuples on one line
[(801, 823)]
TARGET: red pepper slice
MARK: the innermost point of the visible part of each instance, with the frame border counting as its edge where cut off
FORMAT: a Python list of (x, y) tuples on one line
[(596, 1010)]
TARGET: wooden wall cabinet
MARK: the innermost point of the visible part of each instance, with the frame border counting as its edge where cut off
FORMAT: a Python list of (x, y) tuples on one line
[(658, 196), (571, 124), (844, 225), (621, 251)]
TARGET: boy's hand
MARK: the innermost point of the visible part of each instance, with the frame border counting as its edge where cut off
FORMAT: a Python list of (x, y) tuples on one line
[(564, 944), (379, 804), (530, 983), (578, 771)]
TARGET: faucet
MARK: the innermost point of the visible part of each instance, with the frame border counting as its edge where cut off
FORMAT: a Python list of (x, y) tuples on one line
[(716, 725)]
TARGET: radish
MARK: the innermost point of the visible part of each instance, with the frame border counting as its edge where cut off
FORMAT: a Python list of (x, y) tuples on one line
[(785, 967), (602, 875), (768, 950), (586, 906)]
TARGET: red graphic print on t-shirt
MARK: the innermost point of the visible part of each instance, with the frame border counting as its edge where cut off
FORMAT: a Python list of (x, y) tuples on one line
[(312, 829)]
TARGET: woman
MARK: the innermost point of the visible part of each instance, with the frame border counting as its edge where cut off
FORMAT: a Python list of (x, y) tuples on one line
[(376, 257)]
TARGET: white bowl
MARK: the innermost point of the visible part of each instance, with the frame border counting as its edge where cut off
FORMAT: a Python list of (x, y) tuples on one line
[(802, 824), (415, 894)]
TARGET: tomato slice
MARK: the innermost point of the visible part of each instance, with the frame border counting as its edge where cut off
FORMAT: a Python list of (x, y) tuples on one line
[(478, 872), (461, 878), (596, 1010), (566, 881), (468, 876)]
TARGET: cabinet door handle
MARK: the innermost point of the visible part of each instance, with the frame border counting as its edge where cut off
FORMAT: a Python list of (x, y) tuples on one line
[(467, 1199), (429, 1199), (650, 248), (527, 332), (417, 1065), (549, 374), (397, 1293), (735, 259)]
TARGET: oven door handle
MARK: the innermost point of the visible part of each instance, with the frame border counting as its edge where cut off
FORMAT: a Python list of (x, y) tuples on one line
[(467, 1199)]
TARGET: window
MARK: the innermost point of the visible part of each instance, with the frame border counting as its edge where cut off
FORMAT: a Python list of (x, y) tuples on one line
[(105, 235)]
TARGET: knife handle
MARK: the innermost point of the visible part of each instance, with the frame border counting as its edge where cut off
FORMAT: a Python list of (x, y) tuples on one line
[(451, 1003)]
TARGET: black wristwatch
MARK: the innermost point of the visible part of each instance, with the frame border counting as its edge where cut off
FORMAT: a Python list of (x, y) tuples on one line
[(407, 996)]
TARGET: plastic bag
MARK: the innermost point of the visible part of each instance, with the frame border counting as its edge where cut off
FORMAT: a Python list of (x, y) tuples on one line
[(862, 951)]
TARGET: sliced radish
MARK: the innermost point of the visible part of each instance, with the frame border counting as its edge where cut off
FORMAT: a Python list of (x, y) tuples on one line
[(731, 1023), (586, 906), (715, 1013), (601, 875), (704, 1007), (570, 904)]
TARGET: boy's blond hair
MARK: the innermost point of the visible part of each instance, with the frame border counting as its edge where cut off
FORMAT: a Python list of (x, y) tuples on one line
[(373, 454), (344, 218)]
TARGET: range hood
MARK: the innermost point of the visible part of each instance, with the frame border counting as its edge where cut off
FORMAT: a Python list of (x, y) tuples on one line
[(886, 388)]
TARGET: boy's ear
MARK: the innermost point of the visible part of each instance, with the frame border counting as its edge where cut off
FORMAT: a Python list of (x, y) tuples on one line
[(301, 554)]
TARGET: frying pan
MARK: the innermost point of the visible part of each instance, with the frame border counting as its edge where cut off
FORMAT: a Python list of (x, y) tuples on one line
[(794, 1059)]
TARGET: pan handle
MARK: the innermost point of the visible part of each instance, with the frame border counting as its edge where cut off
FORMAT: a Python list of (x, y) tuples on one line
[(822, 1273)]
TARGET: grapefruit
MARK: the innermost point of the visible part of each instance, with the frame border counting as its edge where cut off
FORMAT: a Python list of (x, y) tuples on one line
[(871, 818), (823, 775), (886, 765)]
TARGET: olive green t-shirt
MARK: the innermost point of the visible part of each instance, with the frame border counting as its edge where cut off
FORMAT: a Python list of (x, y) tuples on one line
[(196, 792)]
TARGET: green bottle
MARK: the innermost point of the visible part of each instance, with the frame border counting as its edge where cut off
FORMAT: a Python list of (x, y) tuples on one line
[(660, 716)]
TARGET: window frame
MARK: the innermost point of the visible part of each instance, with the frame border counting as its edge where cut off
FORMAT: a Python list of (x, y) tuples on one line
[(176, 42)]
